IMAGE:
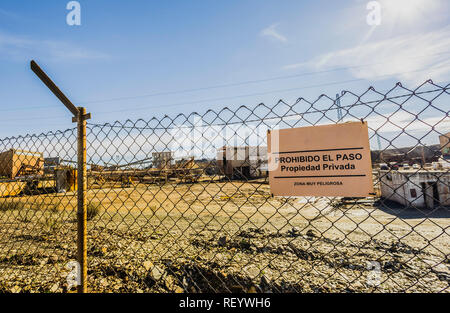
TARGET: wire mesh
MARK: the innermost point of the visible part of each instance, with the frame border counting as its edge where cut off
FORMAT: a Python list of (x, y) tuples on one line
[(37, 214), (183, 204)]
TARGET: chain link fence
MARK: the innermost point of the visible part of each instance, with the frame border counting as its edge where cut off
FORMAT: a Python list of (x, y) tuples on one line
[(183, 203)]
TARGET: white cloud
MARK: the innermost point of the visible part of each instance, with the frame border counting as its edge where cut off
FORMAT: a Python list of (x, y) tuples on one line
[(19, 48), (404, 120), (405, 55), (272, 32)]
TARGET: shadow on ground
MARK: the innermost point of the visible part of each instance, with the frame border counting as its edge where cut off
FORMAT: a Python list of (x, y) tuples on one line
[(411, 212)]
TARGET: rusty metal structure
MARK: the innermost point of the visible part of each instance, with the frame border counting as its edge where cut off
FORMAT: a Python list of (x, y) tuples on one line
[(17, 162)]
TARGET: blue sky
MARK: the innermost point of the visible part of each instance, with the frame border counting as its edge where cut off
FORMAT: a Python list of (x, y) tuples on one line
[(139, 59)]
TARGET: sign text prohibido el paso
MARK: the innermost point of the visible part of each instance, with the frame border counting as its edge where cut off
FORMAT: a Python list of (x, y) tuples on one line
[(328, 160)]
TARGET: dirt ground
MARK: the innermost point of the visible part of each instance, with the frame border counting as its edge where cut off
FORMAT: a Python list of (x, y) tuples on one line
[(223, 237)]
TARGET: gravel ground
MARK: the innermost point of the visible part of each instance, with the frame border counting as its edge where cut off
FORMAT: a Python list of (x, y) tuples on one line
[(224, 237)]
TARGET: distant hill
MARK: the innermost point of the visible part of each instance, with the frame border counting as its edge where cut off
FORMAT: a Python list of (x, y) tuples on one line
[(408, 154)]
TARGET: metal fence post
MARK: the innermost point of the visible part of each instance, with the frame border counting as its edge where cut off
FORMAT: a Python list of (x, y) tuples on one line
[(80, 118), (82, 206)]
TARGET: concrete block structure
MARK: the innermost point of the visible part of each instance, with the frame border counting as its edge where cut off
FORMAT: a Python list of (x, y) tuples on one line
[(417, 188)]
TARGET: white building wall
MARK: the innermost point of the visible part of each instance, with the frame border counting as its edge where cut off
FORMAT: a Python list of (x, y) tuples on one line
[(397, 186)]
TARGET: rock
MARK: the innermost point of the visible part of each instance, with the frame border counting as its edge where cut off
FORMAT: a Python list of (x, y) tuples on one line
[(222, 241), (252, 271), (220, 257), (54, 288), (16, 289), (147, 265), (170, 283), (311, 233), (53, 259), (294, 232), (156, 273), (103, 282), (178, 289)]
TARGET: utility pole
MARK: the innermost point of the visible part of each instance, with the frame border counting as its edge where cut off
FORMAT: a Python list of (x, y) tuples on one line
[(423, 156), (339, 108), (379, 148), (80, 117)]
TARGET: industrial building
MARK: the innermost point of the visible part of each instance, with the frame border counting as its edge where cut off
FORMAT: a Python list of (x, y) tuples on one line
[(444, 140), (417, 188), (162, 159), (444, 160), (242, 162)]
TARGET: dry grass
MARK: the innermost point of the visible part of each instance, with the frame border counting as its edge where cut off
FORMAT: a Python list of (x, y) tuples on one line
[(93, 209)]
